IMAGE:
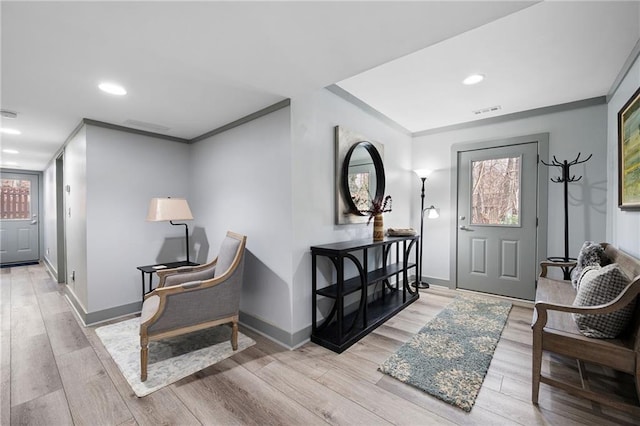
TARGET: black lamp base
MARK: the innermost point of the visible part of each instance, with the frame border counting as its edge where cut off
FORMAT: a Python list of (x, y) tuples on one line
[(420, 284)]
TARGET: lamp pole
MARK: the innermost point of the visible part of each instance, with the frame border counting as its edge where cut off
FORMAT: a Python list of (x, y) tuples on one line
[(186, 234), (418, 282)]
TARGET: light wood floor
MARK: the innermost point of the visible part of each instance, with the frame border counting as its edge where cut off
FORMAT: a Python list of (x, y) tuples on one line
[(55, 372)]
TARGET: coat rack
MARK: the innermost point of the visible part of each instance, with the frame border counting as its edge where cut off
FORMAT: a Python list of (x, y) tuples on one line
[(566, 178)]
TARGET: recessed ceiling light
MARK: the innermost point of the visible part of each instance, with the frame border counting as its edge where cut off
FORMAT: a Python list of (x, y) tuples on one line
[(10, 131), (473, 79), (10, 151), (10, 163), (4, 113), (112, 88)]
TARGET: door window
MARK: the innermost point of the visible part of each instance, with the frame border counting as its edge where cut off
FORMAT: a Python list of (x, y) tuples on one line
[(15, 201), (495, 194)]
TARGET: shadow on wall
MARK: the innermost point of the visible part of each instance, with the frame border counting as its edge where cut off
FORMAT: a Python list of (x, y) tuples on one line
[(174, 249), (262, 286), (199, 246)]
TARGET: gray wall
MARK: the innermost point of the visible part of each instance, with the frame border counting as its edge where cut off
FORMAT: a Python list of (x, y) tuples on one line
[(112, 175), (313, 118), (623, 227), (75, 177), (273, 179), (240, 180), (578, 130), (124, 171)]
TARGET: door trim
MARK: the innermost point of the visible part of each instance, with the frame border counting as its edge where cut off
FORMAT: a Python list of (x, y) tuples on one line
[(542, 140), (61, 267)]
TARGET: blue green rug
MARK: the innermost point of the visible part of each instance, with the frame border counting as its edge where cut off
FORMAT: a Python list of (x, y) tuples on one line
[(450, 355)]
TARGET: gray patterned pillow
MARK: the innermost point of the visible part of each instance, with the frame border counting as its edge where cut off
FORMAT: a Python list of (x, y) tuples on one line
[(591, 253), (600, 285)]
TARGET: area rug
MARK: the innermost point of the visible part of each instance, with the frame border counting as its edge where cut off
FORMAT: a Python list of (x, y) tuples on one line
[(170, 359), (450, 355)]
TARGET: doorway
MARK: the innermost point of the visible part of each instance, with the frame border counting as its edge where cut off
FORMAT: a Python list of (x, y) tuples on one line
[(19, 214), (500, 237)]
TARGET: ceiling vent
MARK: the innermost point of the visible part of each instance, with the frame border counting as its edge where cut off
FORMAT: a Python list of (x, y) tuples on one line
[(147, 126), (487, 110)]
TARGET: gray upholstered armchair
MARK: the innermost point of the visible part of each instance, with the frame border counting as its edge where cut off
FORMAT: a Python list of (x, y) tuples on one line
[(194, 298)]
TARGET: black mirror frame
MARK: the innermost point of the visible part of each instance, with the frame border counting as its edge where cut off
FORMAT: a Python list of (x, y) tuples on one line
[(380, 175)]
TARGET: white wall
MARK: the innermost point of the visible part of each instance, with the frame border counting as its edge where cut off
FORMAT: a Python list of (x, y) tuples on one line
[(49, 217), (624, 226), (240, 180), (579, 130), (313, 118), (124, 171)]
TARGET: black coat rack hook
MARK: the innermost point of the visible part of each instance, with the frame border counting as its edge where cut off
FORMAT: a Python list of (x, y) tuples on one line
[(565, 166), (566, 178)]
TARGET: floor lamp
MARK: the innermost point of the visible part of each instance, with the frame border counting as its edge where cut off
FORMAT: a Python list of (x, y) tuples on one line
[(170, 209), (433, 213)]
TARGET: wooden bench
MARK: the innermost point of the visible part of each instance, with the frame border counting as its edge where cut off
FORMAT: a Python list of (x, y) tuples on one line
[(554, 330)]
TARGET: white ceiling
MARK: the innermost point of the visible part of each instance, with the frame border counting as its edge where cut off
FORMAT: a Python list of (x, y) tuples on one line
[(192, 67), (548, 54)]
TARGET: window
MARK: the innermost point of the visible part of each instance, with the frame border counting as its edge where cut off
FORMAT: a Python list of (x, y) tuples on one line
[(495, 195), (15, 201)]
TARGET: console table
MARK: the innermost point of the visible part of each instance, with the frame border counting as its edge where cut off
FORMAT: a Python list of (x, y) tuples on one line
[(338, 330)]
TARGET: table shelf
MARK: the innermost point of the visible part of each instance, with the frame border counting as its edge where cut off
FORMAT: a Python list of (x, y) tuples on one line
[(352, 285), (379, 311)]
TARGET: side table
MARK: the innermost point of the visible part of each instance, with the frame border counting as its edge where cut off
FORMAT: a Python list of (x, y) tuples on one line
[(150, 269)]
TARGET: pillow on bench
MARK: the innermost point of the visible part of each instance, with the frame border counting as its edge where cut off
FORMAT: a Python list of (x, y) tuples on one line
[(590, 254), (599, 285)]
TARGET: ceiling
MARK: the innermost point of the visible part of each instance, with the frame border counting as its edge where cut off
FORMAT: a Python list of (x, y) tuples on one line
[(191, 67)]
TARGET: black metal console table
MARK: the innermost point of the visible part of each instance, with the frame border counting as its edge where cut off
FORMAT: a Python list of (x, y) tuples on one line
[(339, 331)]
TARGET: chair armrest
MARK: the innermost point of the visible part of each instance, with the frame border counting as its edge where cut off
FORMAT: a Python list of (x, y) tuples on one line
[(545, 264), (625, 297)]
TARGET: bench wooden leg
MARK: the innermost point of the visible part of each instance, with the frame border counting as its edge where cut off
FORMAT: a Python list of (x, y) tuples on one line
[(536, 367), (637, 375), (582, 370)]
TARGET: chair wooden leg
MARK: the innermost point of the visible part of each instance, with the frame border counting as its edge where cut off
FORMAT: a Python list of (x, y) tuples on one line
[(144, 354), (234, 336)]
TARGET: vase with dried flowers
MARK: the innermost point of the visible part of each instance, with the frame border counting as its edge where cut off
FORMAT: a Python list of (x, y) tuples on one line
[(375, 212)]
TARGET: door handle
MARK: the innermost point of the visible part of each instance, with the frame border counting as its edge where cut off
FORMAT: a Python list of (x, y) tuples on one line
[(34, 222), (464, 228)]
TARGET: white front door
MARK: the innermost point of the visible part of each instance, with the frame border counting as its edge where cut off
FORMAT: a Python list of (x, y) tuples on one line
[(19, 229), (497, 220)]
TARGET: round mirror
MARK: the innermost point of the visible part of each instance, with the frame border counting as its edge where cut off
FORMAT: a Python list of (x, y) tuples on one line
[(362, 177)]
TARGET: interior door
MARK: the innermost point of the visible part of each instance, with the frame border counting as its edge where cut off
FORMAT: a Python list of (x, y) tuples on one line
[(497, 220), (19, 229)]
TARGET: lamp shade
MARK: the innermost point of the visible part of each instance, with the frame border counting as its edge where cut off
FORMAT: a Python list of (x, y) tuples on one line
[(163, 209), (432, 213), (422, 173)]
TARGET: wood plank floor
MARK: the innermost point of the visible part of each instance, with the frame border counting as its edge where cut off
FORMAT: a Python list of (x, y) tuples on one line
[(53, 371)]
